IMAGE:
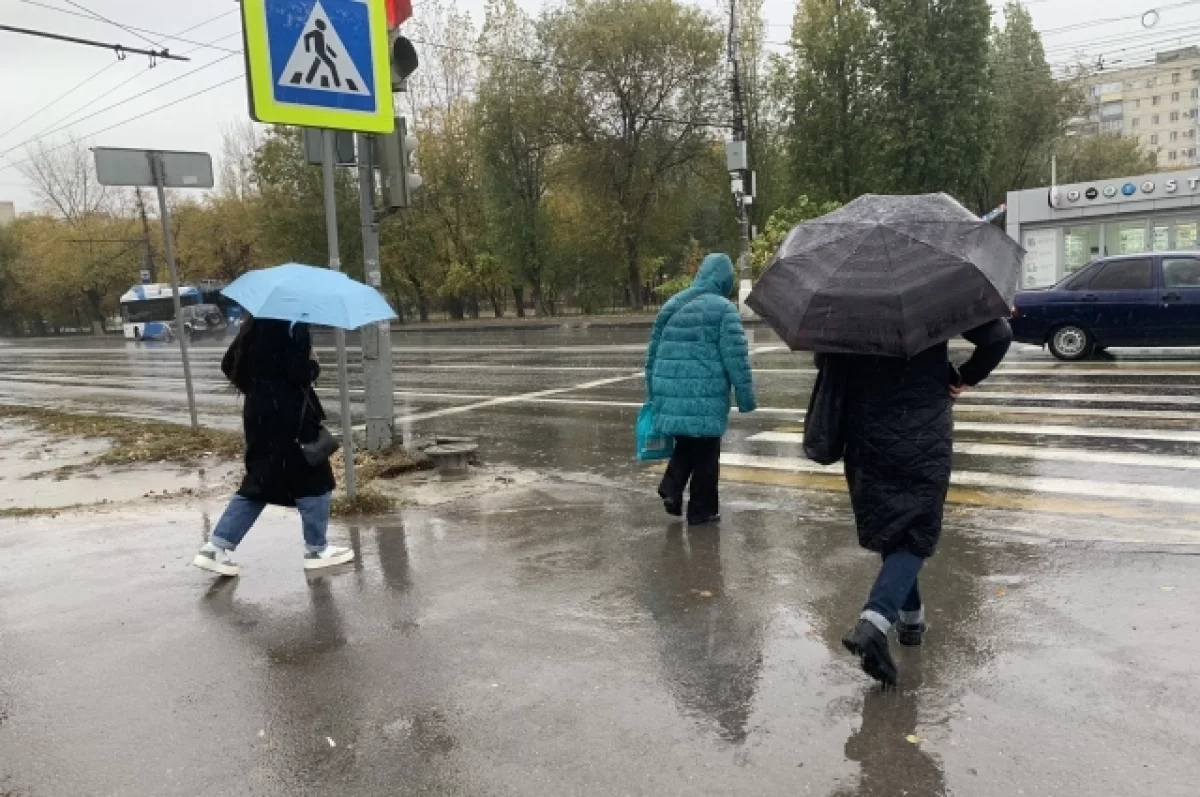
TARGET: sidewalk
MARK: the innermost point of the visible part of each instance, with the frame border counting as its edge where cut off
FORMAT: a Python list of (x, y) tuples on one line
[(561, 637)]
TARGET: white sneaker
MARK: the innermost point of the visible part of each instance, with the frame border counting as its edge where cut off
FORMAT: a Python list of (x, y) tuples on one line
[(330, 557), (216, 560)]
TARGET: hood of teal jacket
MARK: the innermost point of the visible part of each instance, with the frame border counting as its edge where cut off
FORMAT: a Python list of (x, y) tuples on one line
[(715, 274)]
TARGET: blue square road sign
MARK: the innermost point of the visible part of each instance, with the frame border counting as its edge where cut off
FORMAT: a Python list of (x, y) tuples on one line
[(319, 63)]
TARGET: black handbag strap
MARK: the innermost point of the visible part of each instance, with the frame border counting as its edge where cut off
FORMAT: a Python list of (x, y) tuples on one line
[(304, 409)]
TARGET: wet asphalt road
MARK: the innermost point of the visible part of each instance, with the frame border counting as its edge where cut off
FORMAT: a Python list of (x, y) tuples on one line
[(564, 638)]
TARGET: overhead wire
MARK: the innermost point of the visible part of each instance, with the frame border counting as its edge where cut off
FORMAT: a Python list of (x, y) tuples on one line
[(166, 36), (144, 114), (63, 124), (97, 74), (103, 18)]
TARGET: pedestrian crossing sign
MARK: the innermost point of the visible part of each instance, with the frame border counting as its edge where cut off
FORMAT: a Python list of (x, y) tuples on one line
[(319, 63)]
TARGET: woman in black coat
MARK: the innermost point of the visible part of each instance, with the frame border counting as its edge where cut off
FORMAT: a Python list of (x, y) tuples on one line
[(273, 365), (899, 452)]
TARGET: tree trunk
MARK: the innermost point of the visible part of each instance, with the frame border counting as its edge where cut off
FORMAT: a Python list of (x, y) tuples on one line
[(519, 298), (635, 273), (97, 316)]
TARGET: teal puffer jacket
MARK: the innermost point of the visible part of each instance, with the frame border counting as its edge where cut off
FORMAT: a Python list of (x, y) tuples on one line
[(697, 353)]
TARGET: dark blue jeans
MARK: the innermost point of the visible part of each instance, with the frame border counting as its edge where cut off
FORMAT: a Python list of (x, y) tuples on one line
[(895, 593)]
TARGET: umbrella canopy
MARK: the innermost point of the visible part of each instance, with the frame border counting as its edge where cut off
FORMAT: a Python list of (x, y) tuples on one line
[(294, 292), (888, 275)]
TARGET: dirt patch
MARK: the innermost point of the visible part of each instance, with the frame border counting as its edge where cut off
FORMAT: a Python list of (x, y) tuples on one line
[(365, 502), (133, 441), (44, 511), (374, 471)]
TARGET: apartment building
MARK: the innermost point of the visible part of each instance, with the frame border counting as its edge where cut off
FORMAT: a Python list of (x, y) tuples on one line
[(1156, 104)]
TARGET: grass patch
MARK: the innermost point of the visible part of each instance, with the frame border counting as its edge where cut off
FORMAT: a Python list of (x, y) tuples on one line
[(38, 511), (366, 502), (134, 440)]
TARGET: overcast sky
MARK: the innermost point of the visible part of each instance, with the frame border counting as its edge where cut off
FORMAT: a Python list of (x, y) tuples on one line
[(36, 72)]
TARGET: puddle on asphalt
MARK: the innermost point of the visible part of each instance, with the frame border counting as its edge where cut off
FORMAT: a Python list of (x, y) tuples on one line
[(30, 458)]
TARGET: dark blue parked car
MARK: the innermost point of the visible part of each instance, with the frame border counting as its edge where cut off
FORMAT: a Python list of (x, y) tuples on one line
[(1130, 300)]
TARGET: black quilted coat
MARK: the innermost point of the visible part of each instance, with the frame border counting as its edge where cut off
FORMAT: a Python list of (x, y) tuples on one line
[(900, 437)]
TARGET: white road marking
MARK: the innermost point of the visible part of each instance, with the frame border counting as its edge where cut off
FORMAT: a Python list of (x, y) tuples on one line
[(522, 397), (1100, 432), (997, 481), (1091, 398), (1081, 455)]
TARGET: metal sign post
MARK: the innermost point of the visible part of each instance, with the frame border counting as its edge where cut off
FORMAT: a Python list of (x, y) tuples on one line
[(335, 263), (376, 338), (161, 169), (156, 161)]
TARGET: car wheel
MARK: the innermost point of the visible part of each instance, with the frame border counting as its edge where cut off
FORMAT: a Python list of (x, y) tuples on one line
[(1071, 342)]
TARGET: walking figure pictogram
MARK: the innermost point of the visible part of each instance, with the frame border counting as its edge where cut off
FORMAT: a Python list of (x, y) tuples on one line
[(321, 59), (323, 54)]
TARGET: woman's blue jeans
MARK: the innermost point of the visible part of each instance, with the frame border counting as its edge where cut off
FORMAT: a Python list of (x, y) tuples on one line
[(241, 514)]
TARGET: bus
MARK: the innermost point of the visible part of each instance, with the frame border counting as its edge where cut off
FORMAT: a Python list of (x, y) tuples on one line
[(147, 311)]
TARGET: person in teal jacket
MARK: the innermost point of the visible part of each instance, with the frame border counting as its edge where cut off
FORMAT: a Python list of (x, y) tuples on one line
[(697, 353)]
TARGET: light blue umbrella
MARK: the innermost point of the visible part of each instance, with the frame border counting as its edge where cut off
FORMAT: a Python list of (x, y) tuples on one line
[(295, 292)]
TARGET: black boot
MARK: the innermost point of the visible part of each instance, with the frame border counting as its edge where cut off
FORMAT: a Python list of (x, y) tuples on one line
[(871, 646), (910, 634), (673, 506)]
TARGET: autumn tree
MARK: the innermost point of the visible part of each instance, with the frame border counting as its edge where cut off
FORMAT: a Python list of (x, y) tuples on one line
[(1100, 158), (832, 137), (1031, 110), (516, 121), (641, 91), (934, 107)]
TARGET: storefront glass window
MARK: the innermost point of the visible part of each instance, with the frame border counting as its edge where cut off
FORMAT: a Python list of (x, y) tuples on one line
[(1186, 234), (1160, 236), (1080, 246), (1125, 238)]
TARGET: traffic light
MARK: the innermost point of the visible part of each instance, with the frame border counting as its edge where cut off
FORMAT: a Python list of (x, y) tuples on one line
[(403, 60), (400, 182)]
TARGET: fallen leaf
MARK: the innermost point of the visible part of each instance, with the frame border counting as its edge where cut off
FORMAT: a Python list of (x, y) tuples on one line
[(912, 738), (1000, 593)]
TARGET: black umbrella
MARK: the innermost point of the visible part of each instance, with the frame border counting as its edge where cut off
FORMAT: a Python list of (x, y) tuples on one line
[(890, 275)]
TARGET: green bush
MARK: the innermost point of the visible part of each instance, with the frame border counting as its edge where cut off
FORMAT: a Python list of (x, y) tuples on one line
[(762, 250)]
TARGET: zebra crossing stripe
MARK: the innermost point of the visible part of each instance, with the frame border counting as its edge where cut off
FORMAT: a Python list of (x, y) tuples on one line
[(1031, 430), (1084, 456), (1117, 491)]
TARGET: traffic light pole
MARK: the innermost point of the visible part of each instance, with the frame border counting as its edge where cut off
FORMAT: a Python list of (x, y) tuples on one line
[(335, 262), (376, 338)]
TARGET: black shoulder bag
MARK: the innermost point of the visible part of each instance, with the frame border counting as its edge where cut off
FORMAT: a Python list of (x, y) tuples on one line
[(825, 422), (319, 451)]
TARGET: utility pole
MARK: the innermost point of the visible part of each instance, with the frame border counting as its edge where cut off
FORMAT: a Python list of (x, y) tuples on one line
[(376, 338), (328, 173), (147, 255), (738, 158)]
